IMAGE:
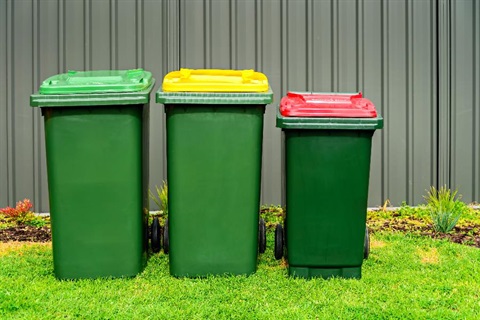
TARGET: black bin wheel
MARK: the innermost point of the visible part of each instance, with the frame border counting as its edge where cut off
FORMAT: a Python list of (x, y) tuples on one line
[(155, 235), (262, 236), (366, 244), (279, 242), (166, 241)]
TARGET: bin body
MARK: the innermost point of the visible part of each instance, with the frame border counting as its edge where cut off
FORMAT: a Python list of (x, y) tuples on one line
[(97, 164), (214, 157), (327, 162)]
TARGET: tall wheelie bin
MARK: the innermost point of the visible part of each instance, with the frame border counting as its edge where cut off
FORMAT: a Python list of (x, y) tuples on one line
[(328, 140), (96, 137), (214, 121)]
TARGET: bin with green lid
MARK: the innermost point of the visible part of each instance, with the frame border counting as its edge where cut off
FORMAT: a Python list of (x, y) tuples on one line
[(96, 137), (328, 140), (214, 124)]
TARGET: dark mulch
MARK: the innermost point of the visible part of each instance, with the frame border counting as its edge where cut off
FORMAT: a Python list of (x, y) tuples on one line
[(26, 233), (466, 234)]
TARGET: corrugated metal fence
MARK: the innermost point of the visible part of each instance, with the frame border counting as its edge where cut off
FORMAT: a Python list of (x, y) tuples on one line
[(417, 60)]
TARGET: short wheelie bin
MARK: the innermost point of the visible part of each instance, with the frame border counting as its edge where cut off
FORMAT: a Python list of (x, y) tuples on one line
[(96, 137), (328, 140), (214, 124)]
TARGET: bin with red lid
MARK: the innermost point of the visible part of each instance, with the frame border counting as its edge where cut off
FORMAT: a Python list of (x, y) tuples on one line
[(328, 140)]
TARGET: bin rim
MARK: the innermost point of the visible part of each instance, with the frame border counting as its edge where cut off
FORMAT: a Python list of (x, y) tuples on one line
[(92, 99), (216, 98), (312, 123)]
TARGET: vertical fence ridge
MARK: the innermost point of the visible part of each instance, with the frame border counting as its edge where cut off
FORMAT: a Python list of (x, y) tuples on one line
[(10, 103), (4, 181), (360, 65), (409, 35), (233, 34), (384, 68), (434, 89), (453, 97), (476, 101), (36, 134), (334, 54), (444, 66)]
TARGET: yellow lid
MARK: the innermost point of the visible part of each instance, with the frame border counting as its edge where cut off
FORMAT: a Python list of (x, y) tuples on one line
[(215, 80)]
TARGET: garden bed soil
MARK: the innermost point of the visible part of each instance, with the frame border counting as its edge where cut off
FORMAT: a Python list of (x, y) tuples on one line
[(26, 234), (466, 234)]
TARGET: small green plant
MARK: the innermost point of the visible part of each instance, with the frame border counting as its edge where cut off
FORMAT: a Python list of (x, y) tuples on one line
[(22, 214), (272, 215), (161, 199), (445, 208)]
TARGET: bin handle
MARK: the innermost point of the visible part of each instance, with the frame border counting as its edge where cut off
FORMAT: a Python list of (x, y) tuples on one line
[(301, 95), (135, 73), (248, 75), (185, 73)]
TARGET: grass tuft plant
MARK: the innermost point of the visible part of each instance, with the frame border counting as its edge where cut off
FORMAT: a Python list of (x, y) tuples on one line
[(161, 198), (445, 208)]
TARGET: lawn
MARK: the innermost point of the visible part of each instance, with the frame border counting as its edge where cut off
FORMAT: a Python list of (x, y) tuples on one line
[(406, 277)]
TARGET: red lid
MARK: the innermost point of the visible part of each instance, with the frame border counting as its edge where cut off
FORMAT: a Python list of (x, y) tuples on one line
[(327, 105)]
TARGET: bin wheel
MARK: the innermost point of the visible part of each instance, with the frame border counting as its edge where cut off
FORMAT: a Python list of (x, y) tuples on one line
[(366, 244), (166, 241), (155, 235), (262, 236), (279, 242)]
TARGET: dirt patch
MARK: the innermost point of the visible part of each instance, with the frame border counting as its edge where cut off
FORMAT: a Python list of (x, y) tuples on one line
[(377, 244), (430, 256), (15, 246), (26, 234)]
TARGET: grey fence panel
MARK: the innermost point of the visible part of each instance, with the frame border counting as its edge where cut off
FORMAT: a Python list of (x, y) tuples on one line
[(99, 30), (47, 63), (74, 36), (370, 80), (192, 34), (23, 120), (156, 51), (126, 41), (242, 41), (465, 102), (409, 89), (422, 95), (5, 36), (268, 60), (386, 49)]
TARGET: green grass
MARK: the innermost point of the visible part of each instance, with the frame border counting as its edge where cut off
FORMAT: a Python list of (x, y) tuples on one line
[(405, 277)]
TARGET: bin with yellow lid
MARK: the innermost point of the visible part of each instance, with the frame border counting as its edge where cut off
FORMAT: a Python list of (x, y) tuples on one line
[(214, 156)]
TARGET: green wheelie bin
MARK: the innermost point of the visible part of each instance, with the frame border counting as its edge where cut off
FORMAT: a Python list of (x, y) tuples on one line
[(96, 137), (328, 140), (214, 122)]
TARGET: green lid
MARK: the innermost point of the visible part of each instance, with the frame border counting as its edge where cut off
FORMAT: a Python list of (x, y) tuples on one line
[(329, 123), (254, 98), (97, 81)]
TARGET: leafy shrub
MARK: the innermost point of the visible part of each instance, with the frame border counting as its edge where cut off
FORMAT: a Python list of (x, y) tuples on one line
[(272, 215), (445, 208), (22, 214)]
